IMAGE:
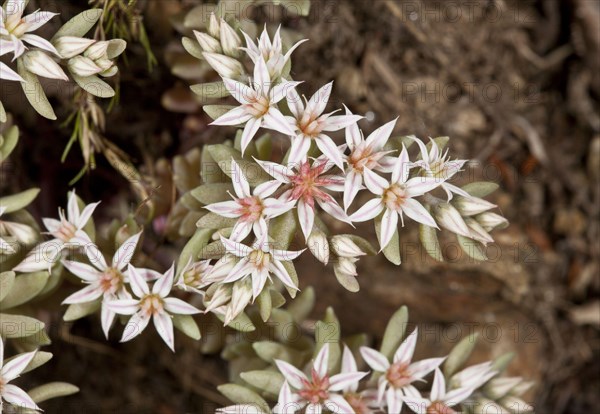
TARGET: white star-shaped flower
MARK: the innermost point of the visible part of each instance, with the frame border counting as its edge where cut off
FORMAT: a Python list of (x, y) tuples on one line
[(319, 390), (8, 372), (152, 304), (396, 198), (397, 376), (258, 104), (252, 209), (311, 124)]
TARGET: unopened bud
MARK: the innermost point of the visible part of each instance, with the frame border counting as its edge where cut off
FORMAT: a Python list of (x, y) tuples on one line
[(22, 232), (83, 66), (477, 232), (214, 27), (499, 387), (449, 218), (97, 50), (110, 72), (70, 46), (491, 221), (240, 298), (346, 266), (516, 404), (318, 245), (470, 206), (43, 65), (224, 65), (230, 40), (344, 246), (207, 42)]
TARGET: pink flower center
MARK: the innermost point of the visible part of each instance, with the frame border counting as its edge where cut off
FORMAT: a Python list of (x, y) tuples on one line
[(394, 197), (399, 375), (305, 184), (66, 231), (310, 125), (316, 390), (363, 157), (438, 407), (251, 208), (111, 281), (258, 106), (358, 404), (152, 304), (260, 259)]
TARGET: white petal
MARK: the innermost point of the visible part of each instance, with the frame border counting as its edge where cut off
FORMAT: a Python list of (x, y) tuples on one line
[(330, 150), (332, 208), (352, 186), (229, 209), (82, 271), (262, 79), (236, 116), (421, 368), (306, 217), (299, 149), (348, 361), (406, 350), (286, 255), (317, 103), (280, 91), (241, 230), (95, 256), (266, 189), (164, 327), (135, 326), (240, 183), (162, 287), (37, 19), (394, 400), (375, 183), (378, 138), (338, 404), (137, 282), (294, 102), (457, 396), (259, 278), (278, 270), (123, 306), (368, 211), (417, 405), (438, 388), (7, 73), (420, 185), (292, 374), (40, 42), (107, 317), (85, 215), (389, 225), (15, 366), (275, 120), (236, 249), (87, 294), (340, 382), (277, 171), (417, 212), (401, 168), (249, 132), (374, 359), (73, 208), (19, 398), (125, 252), (321, 361), (337, 122), (242, 93), (179, 307)]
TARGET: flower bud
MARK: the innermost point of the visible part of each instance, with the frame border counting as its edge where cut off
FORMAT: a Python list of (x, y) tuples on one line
[(240, 298), (110, 72), (516, 404), (344, 246), (318, 245), (346, 266), (70, 46), (207, 42), (499, 387), (490, 221), (224, 65), (470, 206), (97, 50), (83, 66), (104, 63), (477, 232), (41, 64), (230, 40), (214, 27), (220, 297), (22, 232), (449, 218)]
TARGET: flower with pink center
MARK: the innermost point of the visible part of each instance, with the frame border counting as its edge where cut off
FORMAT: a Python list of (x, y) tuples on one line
[(395, 198), (320, 390), (252, 209), (103, 281), (365, 154), (66, 231), (258, 261), (305, 187), (398, 375), (10, 370), (439, 401), (436, 164), (152, 304), (258, 104), (311, 124), (361, 402)]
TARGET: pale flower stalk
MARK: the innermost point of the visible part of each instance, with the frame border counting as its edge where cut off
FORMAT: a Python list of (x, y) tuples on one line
[(251, 209), (396, 198), (152, 304), (10, 371)]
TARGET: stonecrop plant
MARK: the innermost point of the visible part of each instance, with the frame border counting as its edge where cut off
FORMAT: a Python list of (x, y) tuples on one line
[(243, 215)]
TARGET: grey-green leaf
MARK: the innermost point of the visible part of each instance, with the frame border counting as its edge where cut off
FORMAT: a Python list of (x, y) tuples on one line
[(52, 390), (25, 288), (242, 395), (394, 332), (268, 381), (79, 25), (480, 188), (35, 93), (94, 85), (80, 310), (215, 111), (18, 201), (430, 241), (459, 354), (187, 325), (213, 193), (19, 326), (6, 283)]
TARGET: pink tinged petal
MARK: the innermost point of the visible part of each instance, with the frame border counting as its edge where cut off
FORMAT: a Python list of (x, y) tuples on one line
[(179, 307), (229, 209), (73, 209), (375, 183), (242, 269), (19, 398), (450, 188), (378, 138), (416, 404), (330, 150), (259, 278), (236, 249), (420, 185), (285, 395), (281, 273), (417, 212), (280, 91), (236, 116), (411, 391), (353, 135), (292, 374), (240, 184), (389, 225), (306, 217), (107, 317), (242, 93), (82, 271), (438, 388), (275, 208), (337, 122), (393, 399), (457, 396), (52, 225), (125, 252), (1, 341), (294, 102), (81, 238), (286, 255), (123, 306), (374, 359), (15, 366), (85, 215), (260, 228), (240, 231), (406, 350), (352, 186), (275, 120), (37, 19), (8, 74), (265, 190), (332, 208), (340, 382), (162, 287), (135, 326), (137, 282), (337, 404), (164, 326), (87, 294), (383, 383), (348, 361), (95, 257), (249, 132), (401, 168), (277, 171), (40, 42), (321, 361), (368, 211), (299, 149), (421, 368), (317, 103)]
